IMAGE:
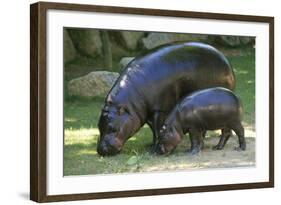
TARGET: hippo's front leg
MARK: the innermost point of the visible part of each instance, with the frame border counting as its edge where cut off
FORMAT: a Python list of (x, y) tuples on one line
[(158, 120), (196, 138)]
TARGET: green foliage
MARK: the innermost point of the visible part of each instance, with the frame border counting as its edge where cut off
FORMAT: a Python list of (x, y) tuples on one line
[(132, 160)]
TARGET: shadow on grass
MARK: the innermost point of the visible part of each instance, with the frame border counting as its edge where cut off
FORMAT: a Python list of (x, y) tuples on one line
[(81, 157)]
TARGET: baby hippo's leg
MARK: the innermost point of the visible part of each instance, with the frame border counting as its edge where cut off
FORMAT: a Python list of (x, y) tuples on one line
[(225, 134), (196, 138), (239, 130)]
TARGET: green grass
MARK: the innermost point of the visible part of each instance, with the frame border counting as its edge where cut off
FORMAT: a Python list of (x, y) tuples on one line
[(81, 133), (244, 68)]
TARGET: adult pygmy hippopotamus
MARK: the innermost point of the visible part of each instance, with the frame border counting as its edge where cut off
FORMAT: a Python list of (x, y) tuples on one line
[(151, 85), (208, 109)]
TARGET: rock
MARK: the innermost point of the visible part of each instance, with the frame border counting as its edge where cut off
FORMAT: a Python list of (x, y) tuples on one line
[(69, 52), (234, 41), (131, 39), (96, 83), (86, 41), (156, 39), (246, 40), (124, 62), (230, 40)]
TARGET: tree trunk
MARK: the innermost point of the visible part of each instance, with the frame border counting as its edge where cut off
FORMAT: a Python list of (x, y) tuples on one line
[(106, 50)]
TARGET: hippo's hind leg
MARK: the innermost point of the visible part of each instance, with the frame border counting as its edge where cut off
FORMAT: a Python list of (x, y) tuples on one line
[(225, 134), (196, 138), (239, 130)]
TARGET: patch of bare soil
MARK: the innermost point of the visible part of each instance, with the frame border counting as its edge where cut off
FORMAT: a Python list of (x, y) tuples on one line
[(208, 158)]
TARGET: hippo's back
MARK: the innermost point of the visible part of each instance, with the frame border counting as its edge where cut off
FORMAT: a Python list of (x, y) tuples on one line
[(211, 105), (184, 61), (161, 77)]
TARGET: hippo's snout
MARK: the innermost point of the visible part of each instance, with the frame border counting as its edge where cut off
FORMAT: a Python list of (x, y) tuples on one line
[(160, 149), (102, 150), (107, 147)]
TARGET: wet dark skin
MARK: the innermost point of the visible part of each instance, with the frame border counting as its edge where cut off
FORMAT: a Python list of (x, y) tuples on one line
[(208, 109), (152, 84)]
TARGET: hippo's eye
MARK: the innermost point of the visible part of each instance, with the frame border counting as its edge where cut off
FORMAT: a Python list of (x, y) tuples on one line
[(105, 109), (111, 128)]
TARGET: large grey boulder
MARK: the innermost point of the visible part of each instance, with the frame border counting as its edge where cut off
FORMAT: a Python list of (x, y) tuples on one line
[(86, 41), (94, 84), (69, 52), (234, 41), (156, 39), (125, 61), (131, 39)]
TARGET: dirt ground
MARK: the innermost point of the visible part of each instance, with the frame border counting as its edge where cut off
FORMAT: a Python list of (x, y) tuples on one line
[(209, 158)]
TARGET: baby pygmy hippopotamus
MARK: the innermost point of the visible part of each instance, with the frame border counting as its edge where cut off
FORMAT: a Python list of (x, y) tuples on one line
[(208, 109)]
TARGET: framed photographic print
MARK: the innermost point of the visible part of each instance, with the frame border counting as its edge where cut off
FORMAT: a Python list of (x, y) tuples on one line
[(134, 102)]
